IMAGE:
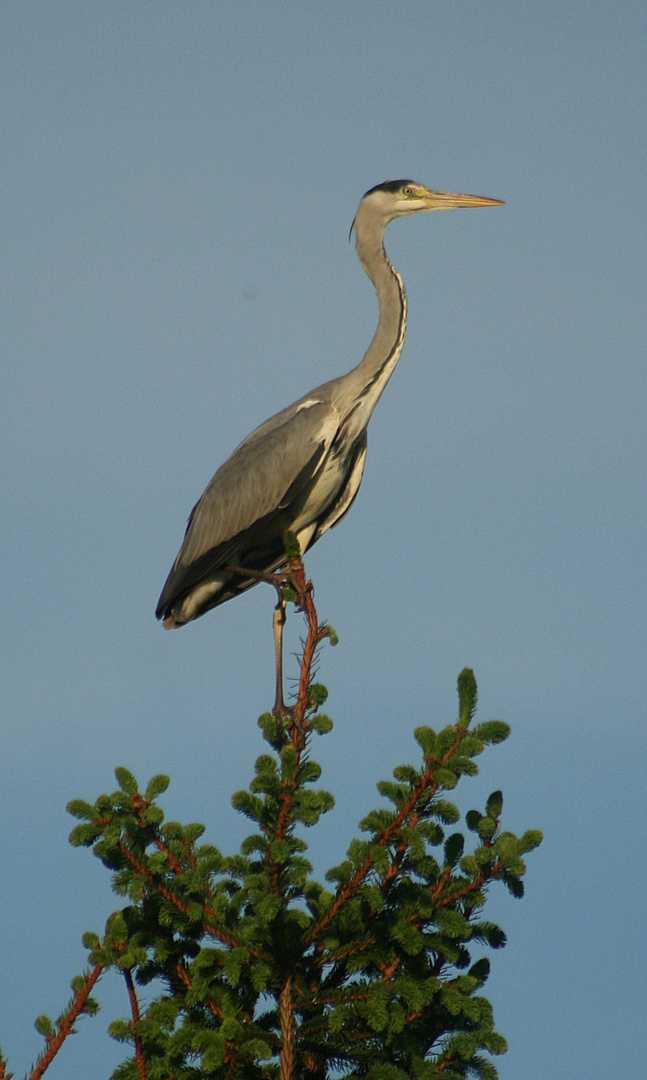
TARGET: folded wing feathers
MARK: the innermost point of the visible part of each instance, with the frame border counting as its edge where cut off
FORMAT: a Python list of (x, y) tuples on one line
[(262, 475)]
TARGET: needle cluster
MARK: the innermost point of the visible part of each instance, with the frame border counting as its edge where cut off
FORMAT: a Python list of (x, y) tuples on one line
[(254, 969)]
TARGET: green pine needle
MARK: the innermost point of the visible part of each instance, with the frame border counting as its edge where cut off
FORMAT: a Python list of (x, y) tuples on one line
[(373, 963)]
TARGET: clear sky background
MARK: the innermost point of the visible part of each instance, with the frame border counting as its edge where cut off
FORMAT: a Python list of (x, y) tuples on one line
[(178, 183)]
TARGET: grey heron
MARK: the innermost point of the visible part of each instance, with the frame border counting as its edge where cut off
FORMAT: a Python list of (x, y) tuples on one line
[(300, 471)]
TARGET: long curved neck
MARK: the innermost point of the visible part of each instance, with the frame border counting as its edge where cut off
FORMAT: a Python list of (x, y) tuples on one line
[(375, 369)]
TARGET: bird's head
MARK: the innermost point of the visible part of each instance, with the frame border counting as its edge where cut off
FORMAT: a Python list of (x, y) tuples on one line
[(397, 198)]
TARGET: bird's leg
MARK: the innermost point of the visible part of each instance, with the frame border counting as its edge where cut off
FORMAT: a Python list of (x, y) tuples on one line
[(280, 709), (256, 575), (292, 578), (278, 622)]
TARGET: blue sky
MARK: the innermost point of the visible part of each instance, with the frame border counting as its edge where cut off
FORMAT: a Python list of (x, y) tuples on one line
[(178, 185)]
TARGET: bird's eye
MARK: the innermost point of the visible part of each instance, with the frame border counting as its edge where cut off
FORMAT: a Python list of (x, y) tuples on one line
[(407, 191)]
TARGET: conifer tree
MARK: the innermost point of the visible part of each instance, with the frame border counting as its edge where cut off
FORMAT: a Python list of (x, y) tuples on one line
[(259, 971)]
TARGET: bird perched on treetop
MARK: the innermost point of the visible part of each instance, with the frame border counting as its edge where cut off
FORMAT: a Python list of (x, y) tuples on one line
[(300, 470)]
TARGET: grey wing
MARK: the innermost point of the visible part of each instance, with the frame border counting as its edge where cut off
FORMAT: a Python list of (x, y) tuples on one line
[(250, 499)]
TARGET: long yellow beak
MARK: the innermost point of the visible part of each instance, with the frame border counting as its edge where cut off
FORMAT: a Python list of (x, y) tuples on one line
[(449, 200)]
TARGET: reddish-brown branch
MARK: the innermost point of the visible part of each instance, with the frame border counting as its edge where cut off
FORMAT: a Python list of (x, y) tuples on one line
[(447, 1061), (424, 784), (389, 970), (140, 805), (285, 802), (473, 885), (400, 852), (441, 884), (340, 997), (409, 815), (140, 1060), (209, 913), (212, 1005), (297, 715), (485, 874), (231, 1047), (313, 637), (65, 1026)]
